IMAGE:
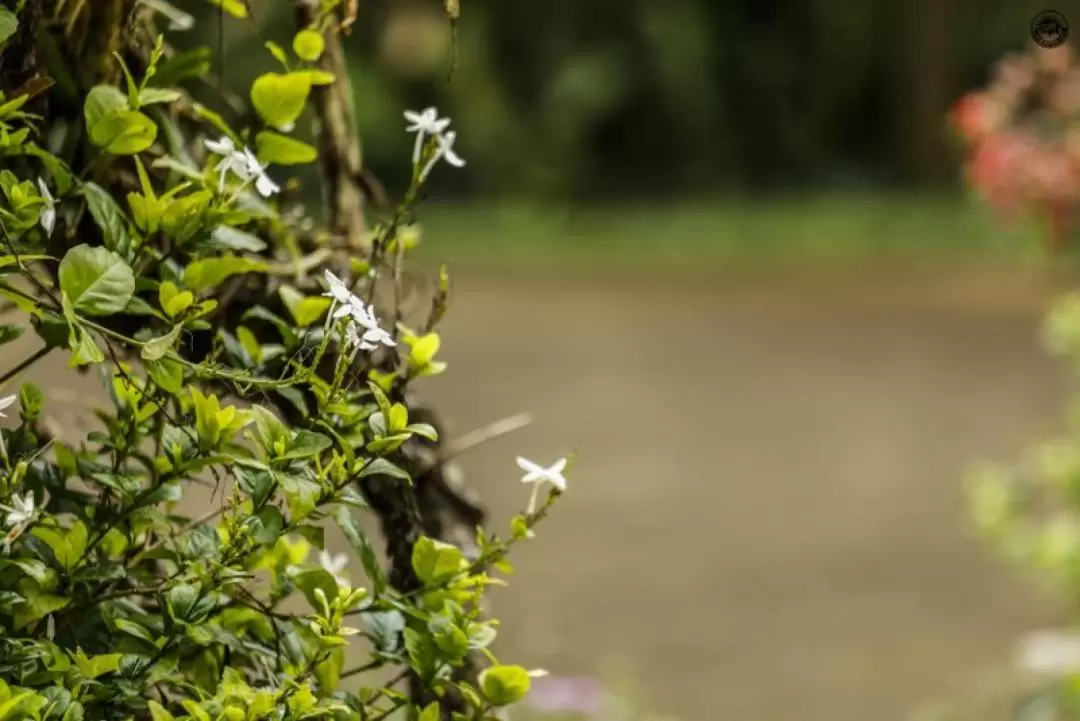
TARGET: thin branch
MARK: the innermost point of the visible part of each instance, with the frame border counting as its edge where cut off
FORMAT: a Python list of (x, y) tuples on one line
[(485, 434), (26, 363)]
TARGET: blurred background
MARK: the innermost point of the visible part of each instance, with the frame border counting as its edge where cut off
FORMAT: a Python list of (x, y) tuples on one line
[(722, 250)]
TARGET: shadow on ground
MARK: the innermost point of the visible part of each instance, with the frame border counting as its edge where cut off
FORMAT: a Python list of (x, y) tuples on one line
[(765, 521)]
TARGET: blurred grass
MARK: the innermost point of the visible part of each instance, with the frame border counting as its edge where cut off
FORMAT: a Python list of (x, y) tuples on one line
[(698, 235)]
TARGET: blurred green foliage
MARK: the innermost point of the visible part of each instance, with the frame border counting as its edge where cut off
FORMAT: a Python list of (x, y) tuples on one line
[(638, 98)]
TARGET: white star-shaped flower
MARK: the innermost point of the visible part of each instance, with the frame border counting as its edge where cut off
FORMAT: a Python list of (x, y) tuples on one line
[(231, 159), (5, 403), (21, 510), (444, 151), (263, 183), (424, 123), (364, 316), (535, 473), (48, 213), (243, 164), (334, 565)]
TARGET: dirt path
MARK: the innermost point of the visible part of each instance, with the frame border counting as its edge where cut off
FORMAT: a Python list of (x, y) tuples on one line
[(765, 520)]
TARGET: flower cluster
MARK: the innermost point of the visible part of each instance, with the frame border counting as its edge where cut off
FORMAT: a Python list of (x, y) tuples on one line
[(1022, 137), (425, 124), (362, 330), (243, 164)]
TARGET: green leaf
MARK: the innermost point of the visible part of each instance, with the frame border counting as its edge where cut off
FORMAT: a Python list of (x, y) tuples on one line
[(278, 53), (230, 238), (102, 100), (424, 349), (31, 400), (109, 219), (92, 667), (279, 98), (431, 712), (8, 24), (308, 45), (97, 281), (158, 712), (504, 685), (328, 672), (236, 8), (182, 599), (383, 467), (211, 272), (193, 63), (87, 351), (133, 629), (150, 96), (37, 607), (398, 418), (274, 148), (168, 374), (12, 708), (124, 132), (435, 562), (421, 652), (58, 542), (157, 348), (306, 444), (360, 544)]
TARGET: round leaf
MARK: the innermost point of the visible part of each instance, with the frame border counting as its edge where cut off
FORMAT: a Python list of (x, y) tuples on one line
[(96, 281), (308, 45), (504, 685)]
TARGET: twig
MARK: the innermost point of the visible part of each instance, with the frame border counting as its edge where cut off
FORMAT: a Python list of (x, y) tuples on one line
[(38, 355), (485, 434)]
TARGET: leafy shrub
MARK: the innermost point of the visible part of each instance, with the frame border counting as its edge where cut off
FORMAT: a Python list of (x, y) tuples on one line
[(153, 238)]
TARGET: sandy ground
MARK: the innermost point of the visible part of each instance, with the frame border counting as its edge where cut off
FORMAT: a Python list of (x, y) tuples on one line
[(765, 520)]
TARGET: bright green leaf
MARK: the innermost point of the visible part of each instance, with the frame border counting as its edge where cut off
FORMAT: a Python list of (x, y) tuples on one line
[(96, 280), (308, 45), (8, 24), (504, 685), (280, 98), (208, 273), (277, 149), (435, 562)]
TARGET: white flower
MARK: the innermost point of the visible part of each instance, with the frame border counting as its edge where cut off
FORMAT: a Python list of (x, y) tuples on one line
[(334, 565), (364, 316), (363, 331), (223, 146), (341, 298), (243, 164), (48, 213), (369, 339), (231, 159), (444, 151), (426, 122), (50, 627), (263, 182), (535, 473), (22, 509), (5, 403)]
